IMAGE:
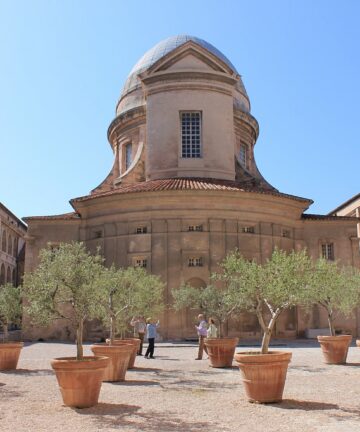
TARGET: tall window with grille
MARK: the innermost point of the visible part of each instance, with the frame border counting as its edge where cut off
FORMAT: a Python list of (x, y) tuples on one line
[(128, 155), (243, 155), (191, 134), (327, 251)]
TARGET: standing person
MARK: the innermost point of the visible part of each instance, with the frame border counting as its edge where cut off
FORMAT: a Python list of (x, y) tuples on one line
[(212, 329), (151, 335), (202, 333), (139, 325)]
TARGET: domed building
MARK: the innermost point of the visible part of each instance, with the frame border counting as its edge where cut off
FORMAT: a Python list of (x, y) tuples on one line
[(184, 189)]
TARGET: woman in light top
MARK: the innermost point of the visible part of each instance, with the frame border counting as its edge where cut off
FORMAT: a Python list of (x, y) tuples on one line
[(212, 330)]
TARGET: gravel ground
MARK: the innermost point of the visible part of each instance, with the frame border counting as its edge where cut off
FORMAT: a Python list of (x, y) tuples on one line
[(174, 392)]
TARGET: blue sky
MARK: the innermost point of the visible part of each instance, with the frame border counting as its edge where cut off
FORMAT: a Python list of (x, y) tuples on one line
[(63, 64)]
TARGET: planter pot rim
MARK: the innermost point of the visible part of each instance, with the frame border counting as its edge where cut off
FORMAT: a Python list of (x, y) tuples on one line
[(257, 357), (334, 338), (232, 341), (11, 344), (88, 362), (108, 347)]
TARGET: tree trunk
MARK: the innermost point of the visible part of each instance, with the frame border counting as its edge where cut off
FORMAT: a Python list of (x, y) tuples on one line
[(79, 340), (268, 333), (6, 332), (112, 330), (331, 324)]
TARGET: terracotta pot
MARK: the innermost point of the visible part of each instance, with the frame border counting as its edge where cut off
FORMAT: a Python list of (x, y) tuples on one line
[(335, 348), (221, 351), (9, 354), (80, 380), (135, 342), (119, 356), (263, 375)]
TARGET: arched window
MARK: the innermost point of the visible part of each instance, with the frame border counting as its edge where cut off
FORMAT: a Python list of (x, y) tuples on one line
[(2, 274), (243, 155), (14, 277), (128, 155), (8, 275), (3, 242), (10, 249)]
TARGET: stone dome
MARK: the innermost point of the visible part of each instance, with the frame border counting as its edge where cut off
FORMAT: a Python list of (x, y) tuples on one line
[(164, 47)]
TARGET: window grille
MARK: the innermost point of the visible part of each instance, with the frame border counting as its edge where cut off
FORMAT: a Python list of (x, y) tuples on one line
[(243, 156), (128, 155), (140, 262), (286, 233), (248, 229), (191, 134), (327, 250), (141, 230), (195, 262), (97, 234), (195, 228)]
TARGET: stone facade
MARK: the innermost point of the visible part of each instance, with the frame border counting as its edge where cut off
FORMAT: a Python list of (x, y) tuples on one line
[(12, 247), (185, 190)]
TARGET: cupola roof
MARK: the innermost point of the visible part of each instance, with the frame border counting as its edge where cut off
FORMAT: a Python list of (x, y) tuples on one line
[(160, 50)]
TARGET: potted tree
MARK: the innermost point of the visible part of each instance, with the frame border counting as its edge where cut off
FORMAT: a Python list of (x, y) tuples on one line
[(266, 290), (127, 292), (64, 287), (336, 289), (10, 313), (213, 302)]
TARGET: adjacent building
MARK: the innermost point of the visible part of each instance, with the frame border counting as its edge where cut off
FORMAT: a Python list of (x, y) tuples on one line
[(185, 189), (12, 250)]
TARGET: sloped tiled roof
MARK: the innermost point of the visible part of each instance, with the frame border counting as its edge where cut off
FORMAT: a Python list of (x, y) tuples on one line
[(327, 217), (346, 203), (65, 216), (176, 184)]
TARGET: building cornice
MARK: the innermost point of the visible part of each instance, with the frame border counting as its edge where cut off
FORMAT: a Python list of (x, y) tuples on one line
[(127, 120), (188, 184)]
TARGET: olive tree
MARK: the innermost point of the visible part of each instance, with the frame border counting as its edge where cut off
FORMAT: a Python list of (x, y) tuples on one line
[(335, 288), (127, 292), (211, 300), (269, 289), (64, 286), (10, 307)]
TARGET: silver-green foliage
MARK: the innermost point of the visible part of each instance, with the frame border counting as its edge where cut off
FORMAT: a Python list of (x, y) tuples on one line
[(64, 285), (267, 290), (10, 306), (335, 288), (126, 293), (212, 301)]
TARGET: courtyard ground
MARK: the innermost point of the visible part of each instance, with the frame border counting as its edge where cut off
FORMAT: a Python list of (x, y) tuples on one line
[(174, 392)]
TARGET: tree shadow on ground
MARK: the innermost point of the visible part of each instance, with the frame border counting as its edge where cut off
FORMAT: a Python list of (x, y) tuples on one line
[(6, 393), (304, 405), (29, 372), (341, 413), (121, 416), (351, 364), (308, 369), (192, 384), (135, 383), (144, 369)]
